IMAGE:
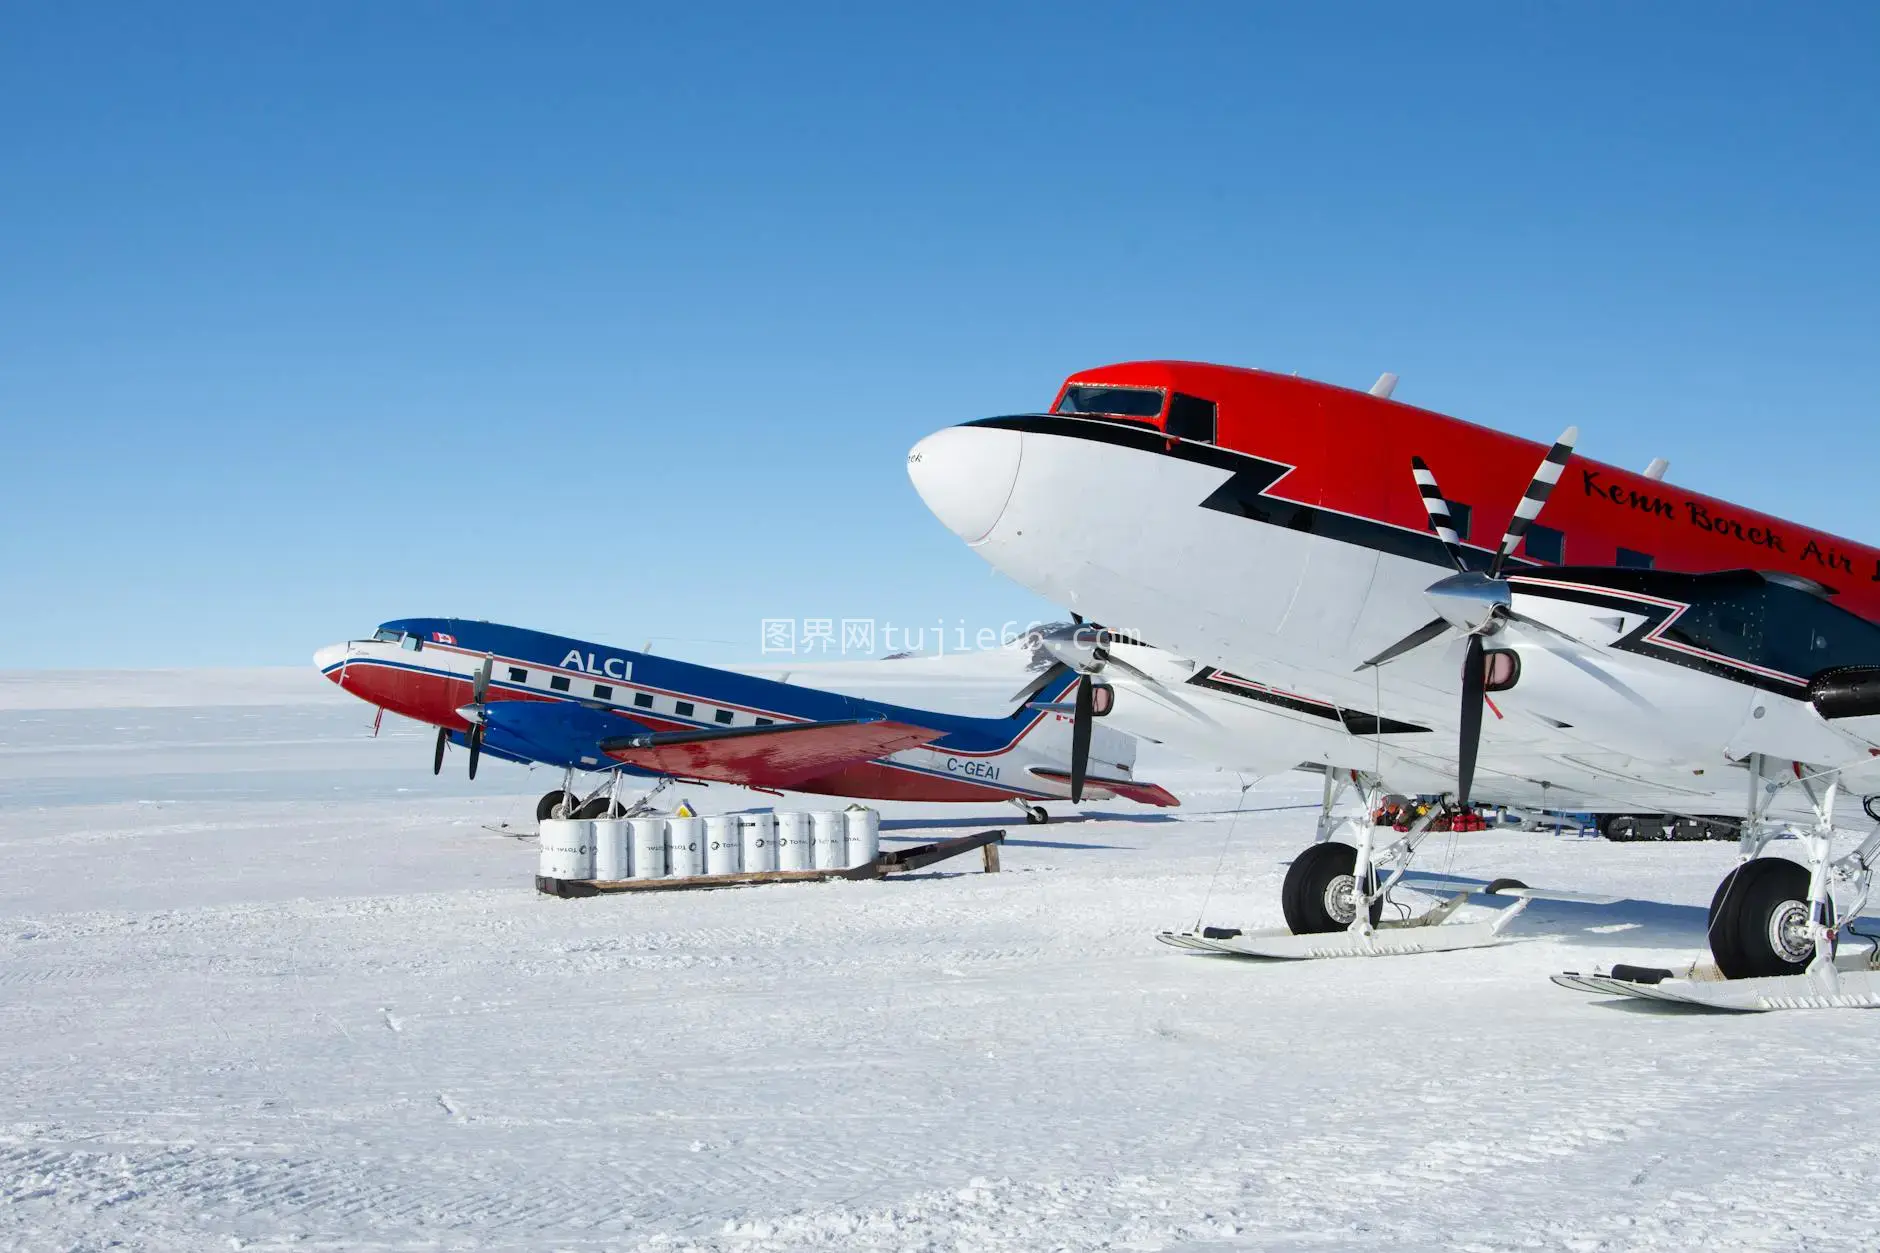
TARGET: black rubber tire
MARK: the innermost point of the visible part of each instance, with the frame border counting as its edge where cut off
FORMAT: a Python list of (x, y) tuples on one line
[(1621, 828), (1036, 815), (545, 808), (1497, 885), (1302, 896), (1741, 911), (601, 807), (1722, 944)]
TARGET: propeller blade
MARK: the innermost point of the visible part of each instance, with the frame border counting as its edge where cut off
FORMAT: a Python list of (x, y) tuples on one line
[(482, 683), (1474, 692), (437, 761), (1437, 507), (1556, 641), (1111, 660), (1045, 678), (1537, 491), (1416, 639), (476, 747), (1080, 738)]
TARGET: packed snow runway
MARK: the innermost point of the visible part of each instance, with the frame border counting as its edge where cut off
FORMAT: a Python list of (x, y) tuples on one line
[(265, 983)]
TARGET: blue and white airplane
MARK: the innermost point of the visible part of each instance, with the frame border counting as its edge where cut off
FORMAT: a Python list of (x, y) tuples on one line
[(529, 697)]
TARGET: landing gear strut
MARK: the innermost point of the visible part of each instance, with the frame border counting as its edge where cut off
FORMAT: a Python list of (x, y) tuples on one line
[(1335, 891), (1772, 916), (1035, 815), (1321, 890), (603, 802)]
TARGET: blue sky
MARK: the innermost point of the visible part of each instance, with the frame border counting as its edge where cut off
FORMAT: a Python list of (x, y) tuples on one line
[(618, 320)]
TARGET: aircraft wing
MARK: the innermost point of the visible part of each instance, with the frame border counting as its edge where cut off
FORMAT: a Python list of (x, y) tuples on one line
[(1128, 789), (772, 756)]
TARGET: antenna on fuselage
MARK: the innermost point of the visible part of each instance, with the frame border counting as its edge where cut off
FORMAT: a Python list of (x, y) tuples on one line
[(1656, 470), (1385, 385)]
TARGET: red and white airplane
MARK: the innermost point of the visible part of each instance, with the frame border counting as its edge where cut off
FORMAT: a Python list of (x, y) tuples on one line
[(1390, 575)]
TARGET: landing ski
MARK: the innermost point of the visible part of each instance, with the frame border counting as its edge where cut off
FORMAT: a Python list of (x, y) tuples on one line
[(1850, 989), (1386, 941)]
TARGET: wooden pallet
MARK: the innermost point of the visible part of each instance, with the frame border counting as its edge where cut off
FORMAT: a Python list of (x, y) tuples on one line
[(897, 861)]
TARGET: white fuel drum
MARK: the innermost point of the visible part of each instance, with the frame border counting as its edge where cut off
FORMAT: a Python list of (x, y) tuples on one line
[(793, 850), (721, 844), (649, 847), (567, 848), (613, 838), (828, 842), (758, 836), (862, 829), (685, 847)]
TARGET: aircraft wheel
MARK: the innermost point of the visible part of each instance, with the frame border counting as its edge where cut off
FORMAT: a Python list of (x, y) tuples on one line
[(1318, 893), (1759, 920), (554, 804), (601, 807), (1036, 815)]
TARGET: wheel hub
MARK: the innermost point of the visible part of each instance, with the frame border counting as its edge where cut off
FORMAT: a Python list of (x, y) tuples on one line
[(1789, 932), (1340, 898)]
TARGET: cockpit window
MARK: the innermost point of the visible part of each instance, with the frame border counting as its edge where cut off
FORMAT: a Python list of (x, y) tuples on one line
[(384, 636), (1119, 402), (1191, 417)]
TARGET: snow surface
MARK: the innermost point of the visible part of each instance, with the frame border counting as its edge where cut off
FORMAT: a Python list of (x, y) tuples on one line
[(265, 983)]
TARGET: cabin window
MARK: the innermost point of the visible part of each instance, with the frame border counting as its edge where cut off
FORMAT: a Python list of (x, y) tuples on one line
[(1632, 559), (1543, 543), (1190, 417), (683, 708), (559, 682), (518, 675), (766, 722), (1121, 402), (724, 716), (603, 692), (643, 700)]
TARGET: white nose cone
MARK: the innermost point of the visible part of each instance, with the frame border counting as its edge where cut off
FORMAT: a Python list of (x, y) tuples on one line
[(331, 655), (965, 474)]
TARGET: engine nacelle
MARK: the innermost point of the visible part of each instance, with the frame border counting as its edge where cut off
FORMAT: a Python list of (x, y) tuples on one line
[(1846, 692)]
